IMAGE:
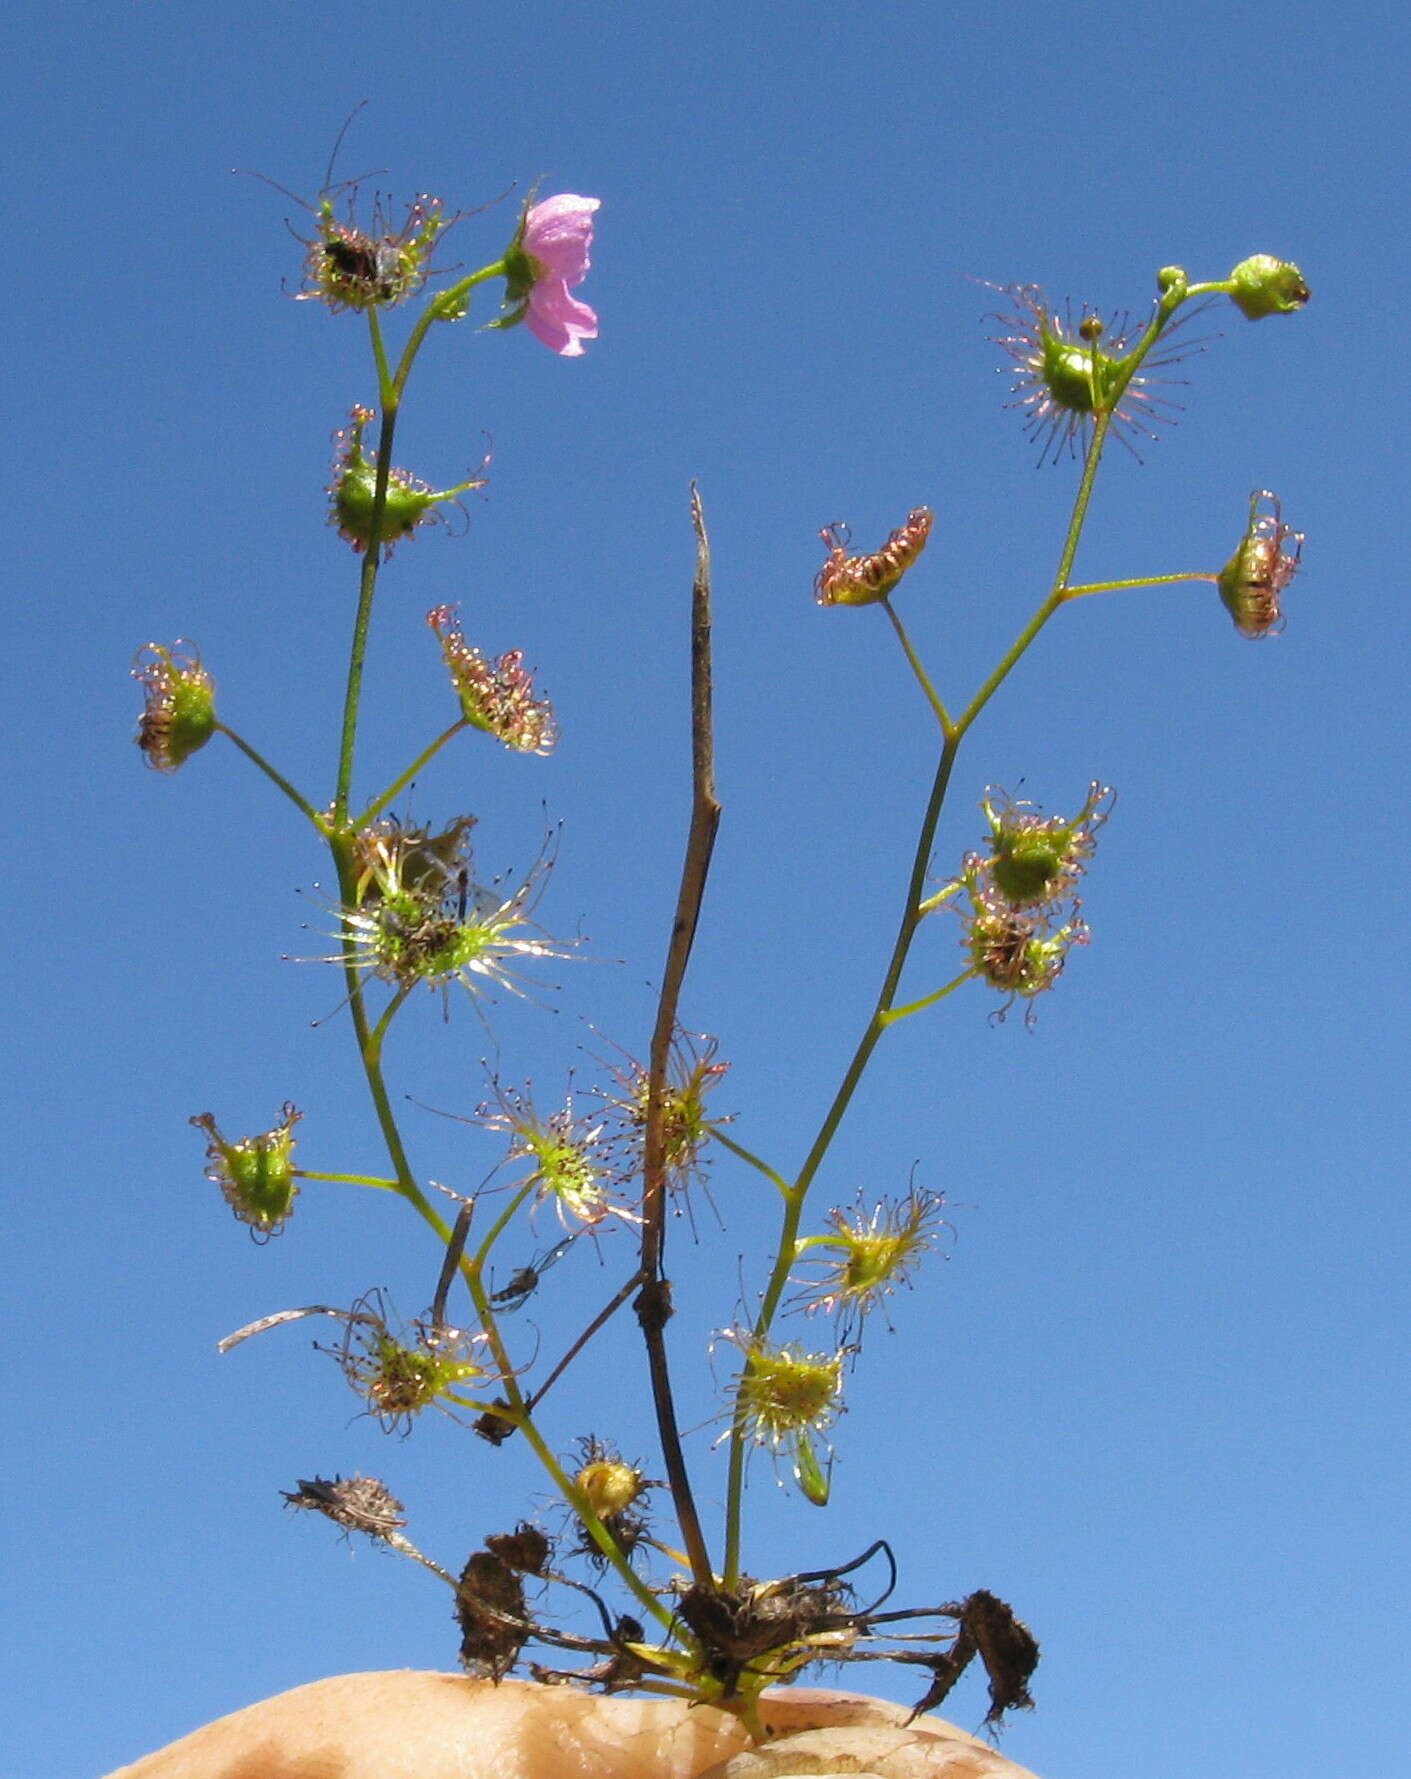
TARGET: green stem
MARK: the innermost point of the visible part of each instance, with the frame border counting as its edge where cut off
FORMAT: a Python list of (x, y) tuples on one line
[(1132, 361), (1060, 580), (386, 394), (923, 679), (376, 807), (369, 1050), (442, 307), (1002, 672), (663, 1689), (1146, 580), (308, 1173), (498, 1227), (745, 1155), (521, 1409), (340, 835), (932, 903), (894, 1014), (600, 1535), (367, 587), (389, 1013), (301, 804), (391, 387), (369, 1042), (915, 909), (795, 1195)]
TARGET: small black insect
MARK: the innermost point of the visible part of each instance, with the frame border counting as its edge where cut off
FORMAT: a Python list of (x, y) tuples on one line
[(349, 268), (364, 261), (525, 1282)]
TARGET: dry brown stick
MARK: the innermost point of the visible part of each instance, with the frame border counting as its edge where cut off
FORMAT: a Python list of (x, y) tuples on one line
[(455, 1247), (654, 1303), (603, 1316)]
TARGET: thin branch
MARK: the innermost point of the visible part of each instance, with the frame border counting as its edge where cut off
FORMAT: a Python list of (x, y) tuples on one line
[(603, 1316), (653, 1305)]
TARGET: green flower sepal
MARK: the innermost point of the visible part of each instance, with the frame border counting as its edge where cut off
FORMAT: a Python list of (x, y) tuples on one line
[(1262, 285), (352, 494), (179, 704), (256, 1175)]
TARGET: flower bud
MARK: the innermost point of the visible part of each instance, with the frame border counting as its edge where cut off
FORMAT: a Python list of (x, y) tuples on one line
[(496, 696), (419, 917), (813, 1480), (1034, 861), (399, 1372), (1069, 374), (1017, 952), (179, 715), (353, 492), (255, 1175), (784, 1394), (1254, 578), (861, 1259), (863, 580), (1262, 285), (613, 1488), (610, 1484)]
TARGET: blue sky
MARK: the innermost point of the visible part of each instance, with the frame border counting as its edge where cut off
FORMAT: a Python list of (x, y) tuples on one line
[(1156, 1396)]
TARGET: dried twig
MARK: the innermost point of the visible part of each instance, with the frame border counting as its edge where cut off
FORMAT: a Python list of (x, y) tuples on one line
[(654, 1302)]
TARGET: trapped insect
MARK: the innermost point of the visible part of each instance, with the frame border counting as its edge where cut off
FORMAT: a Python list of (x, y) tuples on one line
[(346, 267), (524, 1283)]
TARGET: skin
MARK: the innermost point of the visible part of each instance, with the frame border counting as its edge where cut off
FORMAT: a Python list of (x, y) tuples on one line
[(413, 1725)]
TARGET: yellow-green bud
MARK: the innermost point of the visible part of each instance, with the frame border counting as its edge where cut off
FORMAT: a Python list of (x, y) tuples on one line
[(256, 1175), (863, 580), (785, 1392), (179, 715), (1253, 580), (610, 1485), (353, 492), (1035, 860), (612, 1488), (496, 696), (813, 1480), (1262, 285), (399, 1373)]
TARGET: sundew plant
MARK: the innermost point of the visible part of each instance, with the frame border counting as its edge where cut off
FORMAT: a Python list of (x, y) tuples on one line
[(675, 1600)]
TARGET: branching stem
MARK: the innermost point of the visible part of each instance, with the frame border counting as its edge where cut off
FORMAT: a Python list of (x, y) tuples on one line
[(914, 910), (277, 778)]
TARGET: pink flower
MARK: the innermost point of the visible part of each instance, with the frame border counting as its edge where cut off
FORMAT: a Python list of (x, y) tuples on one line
[(556, 236)]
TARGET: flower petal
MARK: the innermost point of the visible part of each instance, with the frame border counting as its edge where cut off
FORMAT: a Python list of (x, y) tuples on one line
[(559, 232), (558, 320)]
